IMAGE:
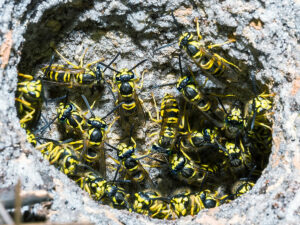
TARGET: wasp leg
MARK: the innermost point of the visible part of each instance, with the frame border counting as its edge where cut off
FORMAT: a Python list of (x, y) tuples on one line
[(218, 45), (29, 115), (263, 125), (198, 28), (45, 145), (264, 95), (111, 124), (153, 134), (67, 61), (142, 80), (157, 120), (225, 61), (94, 62), (26, 76), (113, 88), (82, 57), (185, 155)]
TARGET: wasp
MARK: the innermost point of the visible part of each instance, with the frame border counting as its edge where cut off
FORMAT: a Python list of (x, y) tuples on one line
[(76, 75), (117, 197), (100, 189), (184, 202), (128, 160), (151, 203), (169, 123), (257, 108), (200, 143), (62, 155), (93, 135), (93, 184), (243, 185), (71, 116), (29, 100), (210, 199), (186, 170), (210, 63), (239, 158), (189, 89), (234, 122), (125, 83)]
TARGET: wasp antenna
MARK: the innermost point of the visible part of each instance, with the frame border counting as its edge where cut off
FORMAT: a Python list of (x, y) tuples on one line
[(219, 100), (58, 98), (46, 121), (159, 149), (103, 64), (66, 141), (180, 65), (140, 63), (175, 21), (164, 46), (114, 109), (48, 139), (121, 181), (42, 130), (109, 145), (112, 61), (116, 174), (160, 161), (164, 85), (88, 105), (110, 90)]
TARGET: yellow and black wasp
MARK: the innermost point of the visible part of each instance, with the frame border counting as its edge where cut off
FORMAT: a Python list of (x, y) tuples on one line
[(93, 184), (93, 133), (189, 88), (29, 100), (151, 203), (257, 109), (188, 171), (71, 116), (239, 159), (102, 190), (201, 144), (129, 161), (76, 75), (184, 202), (169, 123), (117, 197), (125, 83), (243, 185), (212, 64), (62, 155)]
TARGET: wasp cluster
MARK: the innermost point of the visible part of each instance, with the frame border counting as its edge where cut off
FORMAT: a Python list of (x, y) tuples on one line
[(214, 146)]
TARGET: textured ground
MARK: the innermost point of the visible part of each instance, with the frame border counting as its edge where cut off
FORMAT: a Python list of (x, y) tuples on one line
[(266, 33)]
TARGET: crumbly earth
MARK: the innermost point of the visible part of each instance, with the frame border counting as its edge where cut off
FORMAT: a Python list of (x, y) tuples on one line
[(266, 36)]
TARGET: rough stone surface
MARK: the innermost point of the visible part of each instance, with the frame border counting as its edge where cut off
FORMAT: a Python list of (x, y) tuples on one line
[(267, 33)]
